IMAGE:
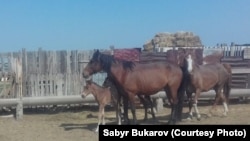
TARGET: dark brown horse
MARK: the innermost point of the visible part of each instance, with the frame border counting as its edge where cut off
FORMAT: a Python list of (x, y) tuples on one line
[(145, 100), (202, 78), (135, 78)]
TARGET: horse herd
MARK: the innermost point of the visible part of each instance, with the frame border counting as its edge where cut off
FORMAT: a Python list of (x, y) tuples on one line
[(128, 79)]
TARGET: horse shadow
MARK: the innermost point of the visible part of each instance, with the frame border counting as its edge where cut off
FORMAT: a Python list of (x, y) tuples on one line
[(159, 120), (87, 126), (73, 126)]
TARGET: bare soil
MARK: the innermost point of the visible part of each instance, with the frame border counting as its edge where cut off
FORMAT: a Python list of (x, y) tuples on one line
[(78, 123)]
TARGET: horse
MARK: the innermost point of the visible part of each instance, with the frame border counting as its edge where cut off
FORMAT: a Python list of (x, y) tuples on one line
[(102, 96), (135, 78), (145, 100), (204, 77)]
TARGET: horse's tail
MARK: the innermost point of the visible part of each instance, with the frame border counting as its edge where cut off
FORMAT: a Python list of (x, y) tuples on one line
[(227, 87)]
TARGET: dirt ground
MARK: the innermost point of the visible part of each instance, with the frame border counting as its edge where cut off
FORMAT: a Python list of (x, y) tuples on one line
[(77, 124)]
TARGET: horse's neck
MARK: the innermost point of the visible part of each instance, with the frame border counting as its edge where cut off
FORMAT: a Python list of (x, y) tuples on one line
[(195, 69), (196, 74), (118, 72), (96, 89)]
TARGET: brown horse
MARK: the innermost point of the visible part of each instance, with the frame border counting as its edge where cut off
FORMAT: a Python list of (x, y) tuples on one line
[(206, 77), (135, 78), (102, 96)]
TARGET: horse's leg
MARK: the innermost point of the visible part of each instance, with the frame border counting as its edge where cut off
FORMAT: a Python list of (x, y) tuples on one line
[(190, 105), (220, 95), (151, 106), (125, 109), (225, 108), (173, 113), (101, 107), (195, 103), (181, 93), (103, 116), (117, 103), (217, 98), (224, 100), (132, 106), (118, 110), (172, 94), (143, 101)]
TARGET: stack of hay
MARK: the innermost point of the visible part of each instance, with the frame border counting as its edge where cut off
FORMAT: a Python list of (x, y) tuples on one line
[(178, 39)]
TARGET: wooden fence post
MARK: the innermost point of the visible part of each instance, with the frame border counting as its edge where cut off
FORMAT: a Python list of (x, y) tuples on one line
[(232, 49), (19, 108)]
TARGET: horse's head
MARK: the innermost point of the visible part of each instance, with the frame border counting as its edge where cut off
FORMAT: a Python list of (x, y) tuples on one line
[(87, 89), (181, 57), (190, 57), (186, 58), (93, 66)]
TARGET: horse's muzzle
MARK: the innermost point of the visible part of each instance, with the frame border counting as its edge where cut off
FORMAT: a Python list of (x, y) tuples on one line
[(88, 78), (83, 96)]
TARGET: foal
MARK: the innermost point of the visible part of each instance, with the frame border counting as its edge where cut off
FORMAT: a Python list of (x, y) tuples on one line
[(102, 96)]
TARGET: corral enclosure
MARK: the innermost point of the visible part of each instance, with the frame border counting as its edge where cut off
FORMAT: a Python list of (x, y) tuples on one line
[(54, 77)]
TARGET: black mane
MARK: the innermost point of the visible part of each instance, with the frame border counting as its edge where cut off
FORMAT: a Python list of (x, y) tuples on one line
[(107, 60)]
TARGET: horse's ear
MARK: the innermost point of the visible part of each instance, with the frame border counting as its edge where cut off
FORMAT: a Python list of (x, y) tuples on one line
[(85, 87), (88, 80), (193, 50), (97, 50), (181, 50), (98, 54)]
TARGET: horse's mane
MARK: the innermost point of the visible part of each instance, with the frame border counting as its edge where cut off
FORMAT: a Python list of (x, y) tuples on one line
[(98, 85), (107, 60)]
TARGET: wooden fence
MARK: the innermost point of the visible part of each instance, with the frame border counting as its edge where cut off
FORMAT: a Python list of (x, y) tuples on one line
[(55, 77)]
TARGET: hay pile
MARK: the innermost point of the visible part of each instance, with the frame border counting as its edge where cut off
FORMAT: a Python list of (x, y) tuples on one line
[(178, 39)]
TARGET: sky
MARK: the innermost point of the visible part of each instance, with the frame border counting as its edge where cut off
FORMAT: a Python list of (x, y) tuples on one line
[(98, 24)]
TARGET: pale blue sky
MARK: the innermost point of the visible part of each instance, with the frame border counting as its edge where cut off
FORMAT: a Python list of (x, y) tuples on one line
[(92, 24)]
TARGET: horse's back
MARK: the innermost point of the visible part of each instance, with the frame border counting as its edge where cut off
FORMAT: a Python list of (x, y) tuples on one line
[(210, 75), (152, 77), (159, 66), (217, 67), (162, 69)]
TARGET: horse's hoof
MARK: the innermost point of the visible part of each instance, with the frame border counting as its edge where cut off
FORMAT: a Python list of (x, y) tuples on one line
[(154, 121), (96, 130), (170, 122), (189, 118), (198, 118), (126, 122), (135, 123), (179, 120), (224, 114)]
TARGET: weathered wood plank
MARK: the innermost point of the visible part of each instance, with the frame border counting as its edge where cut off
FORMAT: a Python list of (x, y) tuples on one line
[(240, 70)]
